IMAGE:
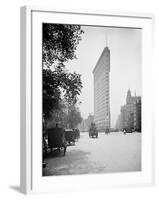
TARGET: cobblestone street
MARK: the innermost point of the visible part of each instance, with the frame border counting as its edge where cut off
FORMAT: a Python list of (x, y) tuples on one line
[(107, 153)]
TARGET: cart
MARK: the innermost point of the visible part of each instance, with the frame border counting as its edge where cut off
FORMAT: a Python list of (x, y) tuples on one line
[(70, 136), (93, 132), (56, 139)]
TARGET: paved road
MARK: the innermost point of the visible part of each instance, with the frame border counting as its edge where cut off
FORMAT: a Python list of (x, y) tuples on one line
[(108, 153)]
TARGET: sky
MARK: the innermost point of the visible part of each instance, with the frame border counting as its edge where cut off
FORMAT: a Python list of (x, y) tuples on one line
[(125, 65)]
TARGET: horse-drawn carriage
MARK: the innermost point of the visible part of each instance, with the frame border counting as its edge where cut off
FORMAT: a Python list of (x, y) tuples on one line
[(56, 139), (70, 136)]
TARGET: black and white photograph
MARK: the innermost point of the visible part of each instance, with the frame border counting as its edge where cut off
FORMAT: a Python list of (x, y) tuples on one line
[(91, 99)]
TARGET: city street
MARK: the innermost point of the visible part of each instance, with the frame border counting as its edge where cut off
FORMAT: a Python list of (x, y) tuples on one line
[(115, 152)]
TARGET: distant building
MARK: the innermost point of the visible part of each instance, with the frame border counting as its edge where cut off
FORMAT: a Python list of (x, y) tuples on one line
[(101, 91), (85, 124), (130, 113), (82, 126), (90, 119)]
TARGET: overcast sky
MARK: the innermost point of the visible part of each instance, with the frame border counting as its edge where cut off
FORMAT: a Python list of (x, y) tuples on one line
[(125, 65)]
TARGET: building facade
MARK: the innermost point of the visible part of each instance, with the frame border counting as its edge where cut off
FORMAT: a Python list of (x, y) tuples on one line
[(101, 73), (130, 113)]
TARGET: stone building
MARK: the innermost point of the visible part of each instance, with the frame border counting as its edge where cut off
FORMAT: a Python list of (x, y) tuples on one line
[(101, 91), (130, 113)]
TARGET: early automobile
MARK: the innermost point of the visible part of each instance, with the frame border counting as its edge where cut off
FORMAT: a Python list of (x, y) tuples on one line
[(93, 132), (70, 136), (56, 139)]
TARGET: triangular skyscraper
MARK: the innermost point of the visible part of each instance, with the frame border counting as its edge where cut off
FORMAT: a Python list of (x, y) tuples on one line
[(101, 91)]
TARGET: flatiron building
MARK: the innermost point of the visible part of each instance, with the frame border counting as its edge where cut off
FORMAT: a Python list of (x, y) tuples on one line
[(101, 73)]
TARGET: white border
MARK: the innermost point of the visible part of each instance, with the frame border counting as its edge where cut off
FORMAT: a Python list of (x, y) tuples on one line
[(31, 101)]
